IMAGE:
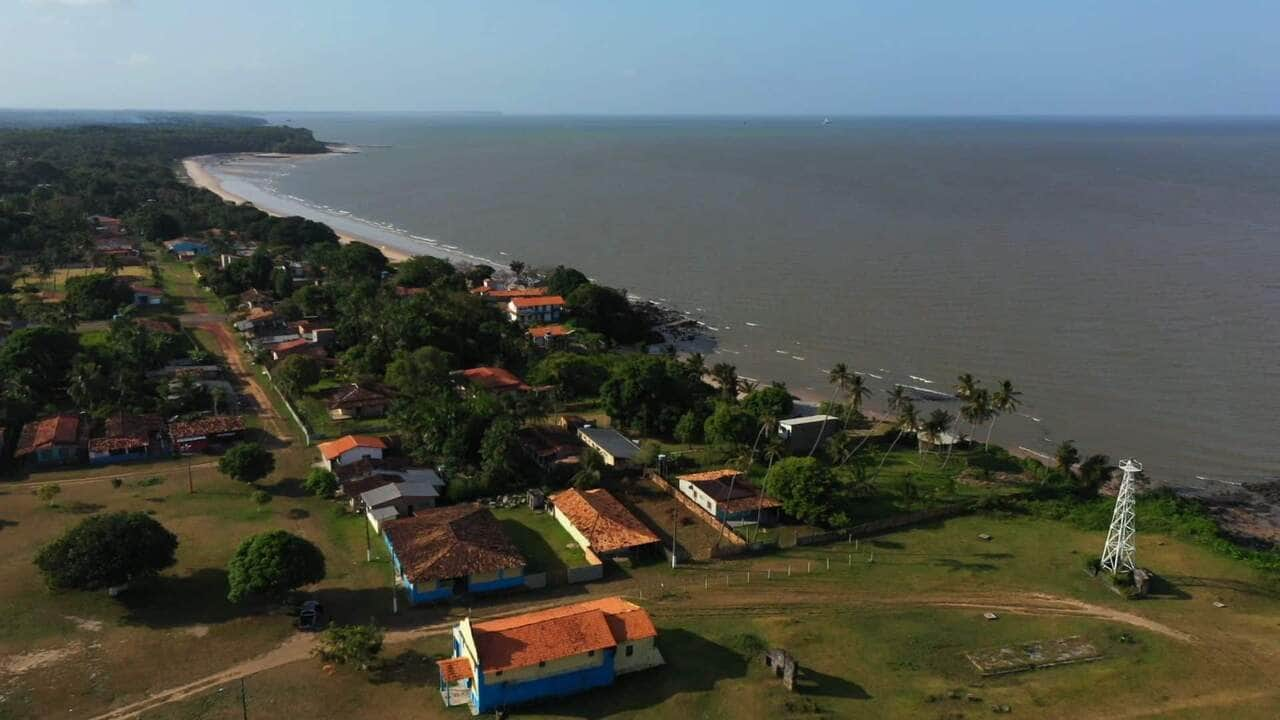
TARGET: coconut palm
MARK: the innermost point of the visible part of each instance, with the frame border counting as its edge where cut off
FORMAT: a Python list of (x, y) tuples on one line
[(897, 398), (838, 376), (907, 420), (1066, 456), (857, 391), (976, 409), (1004, 400), (726, 376), (966, 386)]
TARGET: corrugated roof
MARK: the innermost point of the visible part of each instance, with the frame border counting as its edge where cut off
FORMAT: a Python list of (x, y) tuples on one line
[(525, 640), (607, 525), (808, 420), (211, 425), (612, 441), (392, 491), (451, 542), (494, 378), (731, 495), (334, 448)]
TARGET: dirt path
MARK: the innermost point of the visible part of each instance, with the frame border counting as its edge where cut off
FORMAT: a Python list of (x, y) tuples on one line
[(292, 650), (235, 361)]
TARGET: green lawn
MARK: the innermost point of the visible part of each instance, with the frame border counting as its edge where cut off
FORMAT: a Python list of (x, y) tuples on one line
[(542, 541), (316, 414)]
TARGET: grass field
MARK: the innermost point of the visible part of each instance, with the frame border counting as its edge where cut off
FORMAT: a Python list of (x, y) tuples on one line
[(884, 639), (316, 414), (542, 541)]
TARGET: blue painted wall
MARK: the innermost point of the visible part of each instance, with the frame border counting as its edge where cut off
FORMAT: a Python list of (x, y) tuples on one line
[(487, 697), (505, 583), (107, 459)]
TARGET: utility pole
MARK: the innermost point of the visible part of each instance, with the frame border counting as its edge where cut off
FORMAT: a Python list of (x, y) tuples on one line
[(244, 702), (191, 488), (368, 545), (675, 529)]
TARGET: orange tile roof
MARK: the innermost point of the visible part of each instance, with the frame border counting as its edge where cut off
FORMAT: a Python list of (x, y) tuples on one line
[(549, 331), (710, 475), (335, 448), (511, 292), (607, 525), (454, 669), (538, 301), (48, 432), (494, 378), (525, 640)]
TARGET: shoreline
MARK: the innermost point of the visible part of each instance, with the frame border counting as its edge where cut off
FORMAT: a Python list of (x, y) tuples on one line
[(1240, 511), (201, 177)]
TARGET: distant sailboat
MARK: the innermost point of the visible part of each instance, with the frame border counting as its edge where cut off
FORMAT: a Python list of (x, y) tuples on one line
[(826, 121)]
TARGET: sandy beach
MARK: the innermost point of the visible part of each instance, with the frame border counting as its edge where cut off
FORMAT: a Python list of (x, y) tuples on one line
[(198, 173)]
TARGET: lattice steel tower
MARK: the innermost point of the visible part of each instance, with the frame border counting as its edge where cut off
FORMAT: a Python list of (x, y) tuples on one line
[(1117, 554)]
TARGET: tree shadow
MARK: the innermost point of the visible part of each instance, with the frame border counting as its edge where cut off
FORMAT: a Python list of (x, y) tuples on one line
[(1160, 588), (78, 507), (994, 555), (411, 668), (886, 544), (694, 664), (812, 682), (957, 565), (171, 601), (7, 523), (297, 514), (290, 487)]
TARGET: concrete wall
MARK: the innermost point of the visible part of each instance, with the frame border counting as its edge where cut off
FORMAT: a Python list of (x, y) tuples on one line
[(504, 580), (535, 581), (726, 533), (593, 570), (644, 655)]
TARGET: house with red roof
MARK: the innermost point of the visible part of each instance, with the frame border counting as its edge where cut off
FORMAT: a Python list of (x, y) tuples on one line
[(599, 523), (495, 380), (349, 449), (547, 653), (538, 310), (440, 553), (146, 295), (54, 440), (547, 335), (203, 433)]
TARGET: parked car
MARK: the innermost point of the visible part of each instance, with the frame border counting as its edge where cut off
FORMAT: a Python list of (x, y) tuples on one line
[(311, 616)]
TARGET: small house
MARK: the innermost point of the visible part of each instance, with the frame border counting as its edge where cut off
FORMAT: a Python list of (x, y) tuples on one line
[(54, 440), (601, 524), (803, 433), (127, 437), (299, 346), (549, 447), (144, 295), (548, 335), (398, 499), (546, 653), (495, 379), (186, 248), (728, 496), (449, 551), (617, 449), (358, 401), (489, 291), (349, 449), (201, 434), (361, 476), (542, 310)]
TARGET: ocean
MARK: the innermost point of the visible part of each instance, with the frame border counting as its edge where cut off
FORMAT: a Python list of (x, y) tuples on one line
[(1123, 273)]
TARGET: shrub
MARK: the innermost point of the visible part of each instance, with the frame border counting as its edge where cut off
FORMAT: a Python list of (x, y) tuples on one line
[(247, 462), (321, 483), (47, 493), (262, 497), (116, 483), (356, 645)]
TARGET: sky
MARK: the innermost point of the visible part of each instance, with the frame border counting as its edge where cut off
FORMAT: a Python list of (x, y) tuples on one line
[(850, 57)]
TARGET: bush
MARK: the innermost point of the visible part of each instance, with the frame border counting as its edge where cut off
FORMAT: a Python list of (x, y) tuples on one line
[(321, 483), (272, 564), (748, 645), (262, 497), (247, 462), (116, 483), (356, 645), (47, 493), (107, 550)]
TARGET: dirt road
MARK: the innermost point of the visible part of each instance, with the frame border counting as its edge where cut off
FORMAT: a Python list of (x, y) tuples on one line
[(230, 350)]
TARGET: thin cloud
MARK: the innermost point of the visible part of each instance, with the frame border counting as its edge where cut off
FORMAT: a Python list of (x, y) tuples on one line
[(135, 59)]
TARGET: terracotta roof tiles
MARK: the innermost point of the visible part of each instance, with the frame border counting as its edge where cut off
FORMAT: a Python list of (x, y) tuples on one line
[(605, 522), (334, 448), (525, 640), (48, 432), (451, 542)]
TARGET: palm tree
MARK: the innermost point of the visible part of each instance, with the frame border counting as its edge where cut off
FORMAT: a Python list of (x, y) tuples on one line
[(697, 365), (897, 398), (218, 395), (1005, 400), (856, 391), (976, 409), (746, 386), (907, 420), (1067, 455), (726, 376), (966, 386), (838, 376), (517, 269)]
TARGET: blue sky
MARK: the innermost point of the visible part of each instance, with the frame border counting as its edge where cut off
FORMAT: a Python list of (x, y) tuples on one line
[(1026, 57)]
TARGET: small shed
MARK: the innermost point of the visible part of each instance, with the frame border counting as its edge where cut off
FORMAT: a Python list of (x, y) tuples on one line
[(801, 433), (617, 449)]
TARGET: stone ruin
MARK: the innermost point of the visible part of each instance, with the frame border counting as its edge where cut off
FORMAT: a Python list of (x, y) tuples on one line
[(783, 666)]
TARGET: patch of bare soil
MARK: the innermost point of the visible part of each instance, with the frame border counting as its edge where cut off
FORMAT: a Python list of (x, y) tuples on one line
[(17, 664)]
